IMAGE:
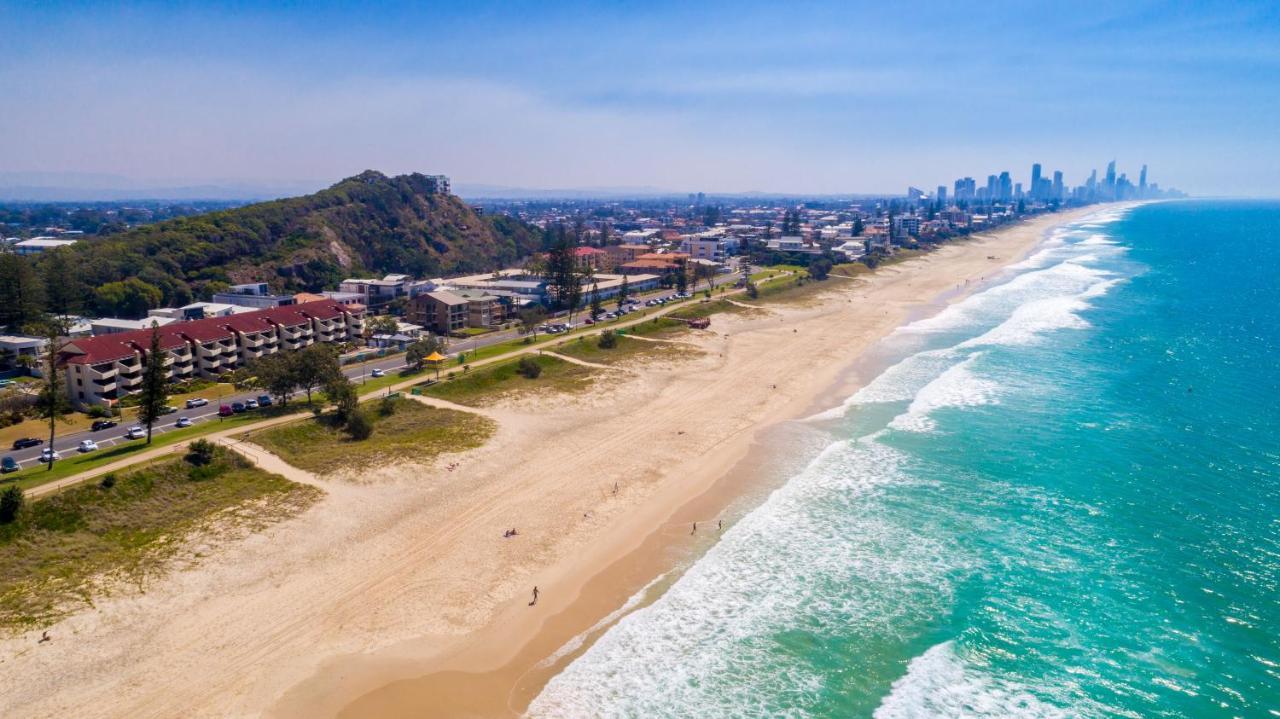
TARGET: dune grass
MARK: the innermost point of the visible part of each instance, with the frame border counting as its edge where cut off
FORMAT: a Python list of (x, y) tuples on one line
[(625, 351), (403, 429), (491, 383), (64, 550)]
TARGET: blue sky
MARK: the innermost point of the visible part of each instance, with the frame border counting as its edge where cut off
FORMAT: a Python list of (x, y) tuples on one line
[(795, 97)]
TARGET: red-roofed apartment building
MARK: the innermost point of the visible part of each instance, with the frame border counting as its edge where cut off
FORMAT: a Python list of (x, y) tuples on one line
[(101, 370)]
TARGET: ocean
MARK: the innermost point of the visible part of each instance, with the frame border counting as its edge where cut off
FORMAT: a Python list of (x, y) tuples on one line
[(1060, 499)]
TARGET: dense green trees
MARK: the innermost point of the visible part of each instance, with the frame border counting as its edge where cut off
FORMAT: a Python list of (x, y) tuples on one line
[(22, 293), (129, 298), (368, 223), (155, 384)]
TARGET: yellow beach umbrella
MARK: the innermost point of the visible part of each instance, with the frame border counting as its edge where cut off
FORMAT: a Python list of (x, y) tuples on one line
[(435, 358)]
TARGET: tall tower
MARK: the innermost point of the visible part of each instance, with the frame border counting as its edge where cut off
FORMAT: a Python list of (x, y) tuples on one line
[(1035, 181), (1006, 186), (1142, 182), (1057, 185), (1111, 180)]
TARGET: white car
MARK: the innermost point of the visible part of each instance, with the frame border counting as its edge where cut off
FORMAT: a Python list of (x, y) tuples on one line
[(251, 404), (377, 373), (196, 402), (182, 422), (135, 432), (48, 454), (87, 445)]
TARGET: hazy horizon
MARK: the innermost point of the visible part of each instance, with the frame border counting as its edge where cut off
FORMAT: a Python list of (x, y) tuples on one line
[(811, 100)]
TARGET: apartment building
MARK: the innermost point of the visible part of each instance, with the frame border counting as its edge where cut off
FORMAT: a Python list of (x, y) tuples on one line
[(101, 370)]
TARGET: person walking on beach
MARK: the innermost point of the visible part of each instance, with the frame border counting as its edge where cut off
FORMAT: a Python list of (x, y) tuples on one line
[(719, 525), (695, 529), (535, 595)]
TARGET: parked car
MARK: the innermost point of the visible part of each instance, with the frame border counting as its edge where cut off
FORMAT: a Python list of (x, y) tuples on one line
[(377, 373), (224, 410), (588, 321), (8, 464), (49, 454), (87, 445), (168, 409), (102, 424), (27, 442), (182, 422), (251, 404), (238, 407), (264, 400), (196, 402), (135, 432)]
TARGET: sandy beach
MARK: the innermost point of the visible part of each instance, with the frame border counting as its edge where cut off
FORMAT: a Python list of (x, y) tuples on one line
[(397, 594)]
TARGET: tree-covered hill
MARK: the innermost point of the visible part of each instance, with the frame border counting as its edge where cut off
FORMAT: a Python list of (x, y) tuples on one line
[(362, 225)]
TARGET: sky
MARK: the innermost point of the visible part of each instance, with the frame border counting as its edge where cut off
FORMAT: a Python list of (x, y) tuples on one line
[(796, 97)]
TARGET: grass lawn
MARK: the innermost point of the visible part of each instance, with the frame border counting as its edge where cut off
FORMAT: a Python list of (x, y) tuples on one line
[(627, 350), (58, 549), (75, 463), (486, 385), (657, 327), (413, 431)]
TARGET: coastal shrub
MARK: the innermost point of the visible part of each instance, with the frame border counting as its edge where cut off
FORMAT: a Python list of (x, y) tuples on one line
[(98, 411), (608, 340), (752, 291), (359, 427), (200, 452), (108, 481), (387, 406), (528, 367), (10, 503)]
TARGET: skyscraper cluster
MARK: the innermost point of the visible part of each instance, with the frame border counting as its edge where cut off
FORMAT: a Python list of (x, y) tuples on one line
[(1049, 189)]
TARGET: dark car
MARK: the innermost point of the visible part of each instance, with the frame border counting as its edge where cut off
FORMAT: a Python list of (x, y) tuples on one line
[(224, 411), (27, 442), (264, 400), (238, 407), (102, 424), (8, 464)]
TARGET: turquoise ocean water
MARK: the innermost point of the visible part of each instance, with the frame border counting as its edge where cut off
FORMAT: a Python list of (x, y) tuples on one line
[(1062, 499)]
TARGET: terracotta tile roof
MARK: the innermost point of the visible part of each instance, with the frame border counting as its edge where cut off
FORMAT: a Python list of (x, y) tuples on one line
[(107, 348)]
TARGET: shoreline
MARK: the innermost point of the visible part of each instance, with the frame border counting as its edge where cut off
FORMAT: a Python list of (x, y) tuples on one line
[(499, 670), (396, 593)]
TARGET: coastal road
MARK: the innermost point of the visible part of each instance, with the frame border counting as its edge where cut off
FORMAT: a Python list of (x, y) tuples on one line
[(68, 444)]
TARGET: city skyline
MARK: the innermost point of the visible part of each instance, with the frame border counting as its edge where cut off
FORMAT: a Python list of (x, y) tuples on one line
[(730, 99)]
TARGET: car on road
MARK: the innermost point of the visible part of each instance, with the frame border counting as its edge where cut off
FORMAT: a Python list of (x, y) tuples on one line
[(238, 407), (264, 400), (196, 402), (49, 454), (27, 442), (135, 432), (225, 410), (588, 321), (182, 422), (8, 464), (251, 404), (102, 424), (377, 373), (87, 445)]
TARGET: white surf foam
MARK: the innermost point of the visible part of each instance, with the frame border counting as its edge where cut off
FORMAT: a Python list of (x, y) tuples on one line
[(939, 683), (814, 552), (956, 387)]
